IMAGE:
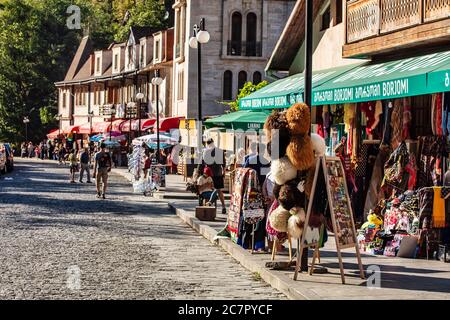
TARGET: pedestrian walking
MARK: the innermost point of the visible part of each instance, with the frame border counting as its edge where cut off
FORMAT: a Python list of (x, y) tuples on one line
[(73, 165), (214, 158), (30, 150), (102, 167), (85, 160), (23, 150)]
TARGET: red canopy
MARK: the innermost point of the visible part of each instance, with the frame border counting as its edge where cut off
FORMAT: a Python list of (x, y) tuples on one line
[(147, 124), (117, 124), (101, 127), (72, 129), (85, 128), (170, 123), (54, 134)]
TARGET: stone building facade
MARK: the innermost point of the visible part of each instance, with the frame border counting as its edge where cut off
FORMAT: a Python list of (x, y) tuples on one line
[(243, 36)]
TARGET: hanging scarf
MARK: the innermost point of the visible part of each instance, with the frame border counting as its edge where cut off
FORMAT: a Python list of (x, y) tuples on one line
[(234, 213)]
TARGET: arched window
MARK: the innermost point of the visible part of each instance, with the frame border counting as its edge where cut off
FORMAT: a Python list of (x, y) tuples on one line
[(257, 77), (251, 45), (242, 79), (228, 85), (235, 47)]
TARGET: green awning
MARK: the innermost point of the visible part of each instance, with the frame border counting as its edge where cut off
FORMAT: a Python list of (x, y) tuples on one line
[(287, 91), (439, 79), (244, 120), (387, 80)]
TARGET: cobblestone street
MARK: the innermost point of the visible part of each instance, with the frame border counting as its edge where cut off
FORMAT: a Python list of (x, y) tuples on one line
[(125, 247)]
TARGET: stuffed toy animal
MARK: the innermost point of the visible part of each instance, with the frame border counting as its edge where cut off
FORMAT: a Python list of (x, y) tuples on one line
[(318, 144), (296, 222), (299, 119), (289, 195), (279, 219), (277, 133), (373, 221), (282, 171), (300, 150)]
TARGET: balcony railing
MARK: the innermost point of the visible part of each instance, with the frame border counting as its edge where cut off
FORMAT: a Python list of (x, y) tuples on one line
[(244, 48), (368, 18), (436, 9)]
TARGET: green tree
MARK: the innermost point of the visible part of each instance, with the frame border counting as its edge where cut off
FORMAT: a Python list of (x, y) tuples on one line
[(143, 13), (248, 89)]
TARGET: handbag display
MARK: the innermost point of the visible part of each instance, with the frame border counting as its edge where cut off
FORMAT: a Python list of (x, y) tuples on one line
[(253, 204)]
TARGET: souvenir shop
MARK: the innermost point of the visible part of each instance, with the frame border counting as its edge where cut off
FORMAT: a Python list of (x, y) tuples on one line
[(395, 155), (389, 123)]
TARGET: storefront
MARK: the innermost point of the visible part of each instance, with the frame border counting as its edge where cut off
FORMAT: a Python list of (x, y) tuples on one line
[(389, 122)]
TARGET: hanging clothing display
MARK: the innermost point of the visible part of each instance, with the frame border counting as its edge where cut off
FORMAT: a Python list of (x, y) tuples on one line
[(438, 208), (234, 213), (431, 154), (387, 114), (407, 118), (397, 123), (446, 115)]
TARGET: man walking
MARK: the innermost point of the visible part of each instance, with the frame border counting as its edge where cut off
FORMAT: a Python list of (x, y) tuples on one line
[(85, 160), (102, 167), (214, 158)]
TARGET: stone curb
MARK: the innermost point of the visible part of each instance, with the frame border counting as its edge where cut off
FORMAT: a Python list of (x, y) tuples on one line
[(278, 281)]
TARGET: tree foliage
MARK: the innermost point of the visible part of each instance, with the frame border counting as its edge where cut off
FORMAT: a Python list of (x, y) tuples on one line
[(37, 47), (248, 89)]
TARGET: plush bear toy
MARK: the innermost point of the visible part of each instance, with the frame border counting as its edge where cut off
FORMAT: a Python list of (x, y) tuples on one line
[(300, 149), (294, 170)]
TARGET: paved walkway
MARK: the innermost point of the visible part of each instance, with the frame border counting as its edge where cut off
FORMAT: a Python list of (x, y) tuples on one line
[(59, 242), (400, 278)]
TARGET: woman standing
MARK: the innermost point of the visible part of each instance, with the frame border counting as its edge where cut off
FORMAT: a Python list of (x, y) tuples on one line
[(73, 165)]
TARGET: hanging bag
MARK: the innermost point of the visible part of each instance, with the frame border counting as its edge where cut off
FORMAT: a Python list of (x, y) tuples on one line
[(253, 204)]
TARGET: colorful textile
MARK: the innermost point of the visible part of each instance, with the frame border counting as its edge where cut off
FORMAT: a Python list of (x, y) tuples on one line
[(438, 209), (446, 115), (407, 118), (397, 124), (438, 114), (253, 203), (234, 213), (273, 234)]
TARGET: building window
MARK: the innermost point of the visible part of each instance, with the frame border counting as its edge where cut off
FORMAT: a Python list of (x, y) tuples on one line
[(97, 65), (326, 18), (257, 77), (180, 89), (142, 56), (116, 62), (338, 12), (157, 45), (228, 85), (235, 45), (242, 79), (250, 45), (64, 100)]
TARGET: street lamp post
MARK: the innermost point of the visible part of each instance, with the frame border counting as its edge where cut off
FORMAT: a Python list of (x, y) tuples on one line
[(302, 263), (130, 117), (112, 113), (59, 118), (200, 36), (139, 97), (26, 121), (157, 81)]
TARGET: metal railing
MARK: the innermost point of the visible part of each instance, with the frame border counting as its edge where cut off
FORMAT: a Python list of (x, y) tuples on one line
[(369, 18), (244, 48)]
